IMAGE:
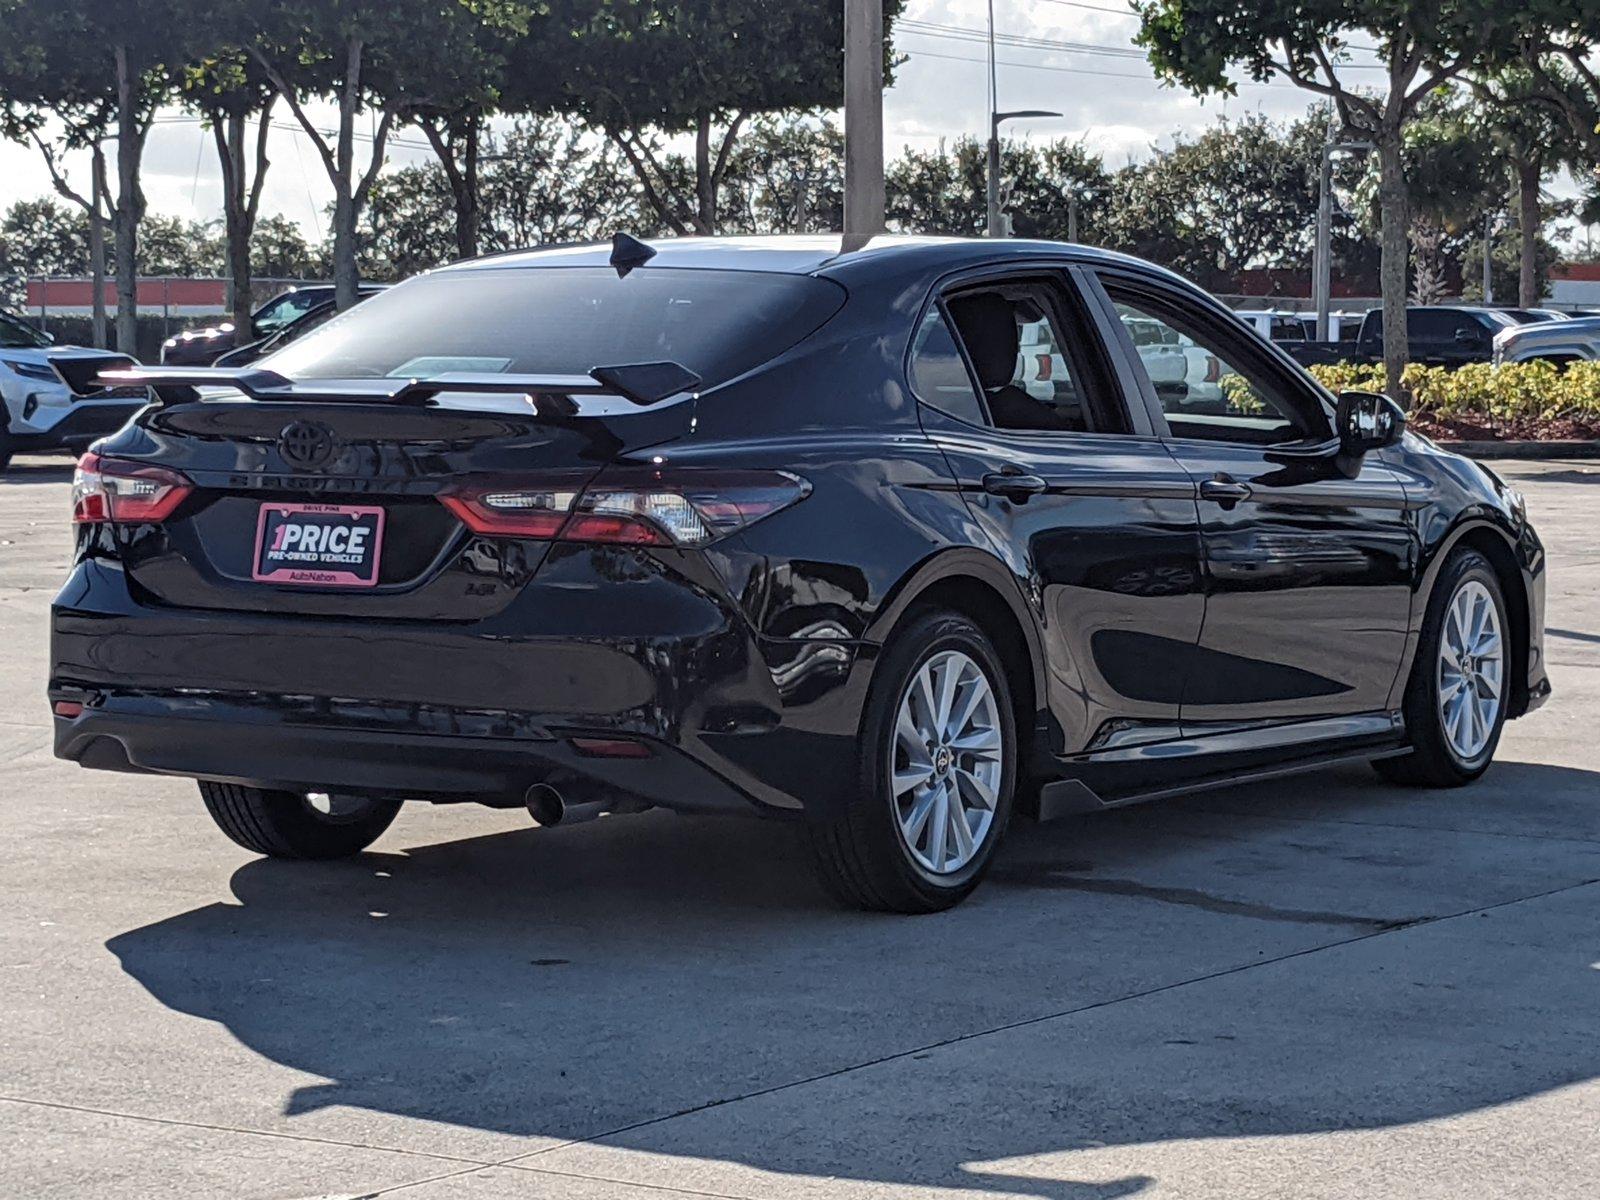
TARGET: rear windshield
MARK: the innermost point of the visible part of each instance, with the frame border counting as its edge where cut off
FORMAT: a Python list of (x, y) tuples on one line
[(566, 321)]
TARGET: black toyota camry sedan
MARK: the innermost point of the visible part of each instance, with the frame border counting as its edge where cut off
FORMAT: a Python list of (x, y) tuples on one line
[(894, 543)]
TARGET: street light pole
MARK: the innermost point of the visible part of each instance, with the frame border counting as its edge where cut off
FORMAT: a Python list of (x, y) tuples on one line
[(997, 224), (1322, 262), (992, 172), (864, 196)]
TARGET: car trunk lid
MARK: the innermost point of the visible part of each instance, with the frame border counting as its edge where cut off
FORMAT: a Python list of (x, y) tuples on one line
[(373, 456)]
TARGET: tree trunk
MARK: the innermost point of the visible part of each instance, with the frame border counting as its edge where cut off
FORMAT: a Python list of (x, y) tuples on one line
[(97, 246), (705, 188), (462, 177), (346, 275), (130, 204), (1392, 265), (1529, 221), (469, 207), (229, 132)]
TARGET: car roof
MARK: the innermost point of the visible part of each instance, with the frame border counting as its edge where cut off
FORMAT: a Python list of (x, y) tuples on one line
[(802, 254)]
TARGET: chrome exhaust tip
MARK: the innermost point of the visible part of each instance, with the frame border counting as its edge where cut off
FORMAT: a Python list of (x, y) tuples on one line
[(547, 806)]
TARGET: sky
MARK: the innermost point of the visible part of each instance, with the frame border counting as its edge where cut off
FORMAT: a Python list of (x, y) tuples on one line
[(1101, 84)]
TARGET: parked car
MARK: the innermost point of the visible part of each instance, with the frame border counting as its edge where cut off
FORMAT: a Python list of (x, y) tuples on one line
[(1575, 339), (313, 318), (198, 347), (763, 527), (1532, 316), (1438, 336), (50, 396), (1280, 326)]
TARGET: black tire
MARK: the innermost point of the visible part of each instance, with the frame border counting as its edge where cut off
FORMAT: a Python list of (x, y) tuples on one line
[(859, 852), (285, 825), (1433, 762)]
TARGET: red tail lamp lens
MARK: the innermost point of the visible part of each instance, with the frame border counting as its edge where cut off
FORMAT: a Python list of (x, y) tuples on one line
[(108, 490), (629, 506), (68, 709)]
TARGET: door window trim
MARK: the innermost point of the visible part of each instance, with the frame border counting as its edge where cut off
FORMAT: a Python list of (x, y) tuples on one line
[(1074, 280), (1240, 344)]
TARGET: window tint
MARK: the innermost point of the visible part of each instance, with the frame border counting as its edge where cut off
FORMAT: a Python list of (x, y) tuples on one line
[(938, 374), (1202, 391), (568, 320), (14, 335), (1023, 365), (1433, 325)]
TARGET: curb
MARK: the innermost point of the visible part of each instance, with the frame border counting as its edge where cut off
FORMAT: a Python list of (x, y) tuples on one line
[(1526, 450)]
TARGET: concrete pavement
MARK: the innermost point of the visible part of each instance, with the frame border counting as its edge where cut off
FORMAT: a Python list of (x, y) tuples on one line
[(1317, 987)]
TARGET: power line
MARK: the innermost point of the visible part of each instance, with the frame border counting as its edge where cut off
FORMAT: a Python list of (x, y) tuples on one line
[(915, 54), (1115, 12), (1021, 41)]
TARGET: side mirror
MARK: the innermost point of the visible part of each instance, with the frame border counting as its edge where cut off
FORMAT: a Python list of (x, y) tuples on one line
[(1468, 337), (1173, 389), (1368, 421)]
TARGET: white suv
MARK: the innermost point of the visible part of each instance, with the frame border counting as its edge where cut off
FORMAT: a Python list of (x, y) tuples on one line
[(51, 397)]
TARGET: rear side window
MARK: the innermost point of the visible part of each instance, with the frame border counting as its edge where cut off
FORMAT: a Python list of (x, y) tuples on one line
[(566, 321), (939, 376)]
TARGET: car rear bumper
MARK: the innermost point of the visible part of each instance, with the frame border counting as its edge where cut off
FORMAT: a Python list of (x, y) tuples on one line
[(459, 711)]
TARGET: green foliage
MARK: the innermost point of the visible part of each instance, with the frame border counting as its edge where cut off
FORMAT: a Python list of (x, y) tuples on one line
[(1512, 394)]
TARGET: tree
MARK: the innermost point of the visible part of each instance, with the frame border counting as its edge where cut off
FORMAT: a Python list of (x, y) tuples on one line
[(1242, 194), (40, 237), (787, 176), (279, 250), (230, 90), (373, 55), (646, 68), (1555, 44), (1535, 138), (1422, 44), (170, 246), (543, 182), (99, 69)]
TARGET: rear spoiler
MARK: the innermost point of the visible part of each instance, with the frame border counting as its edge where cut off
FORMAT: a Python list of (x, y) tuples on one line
[(642, 383)]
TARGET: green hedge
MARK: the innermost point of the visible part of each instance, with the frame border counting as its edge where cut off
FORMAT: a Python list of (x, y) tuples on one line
[(1512, 394)]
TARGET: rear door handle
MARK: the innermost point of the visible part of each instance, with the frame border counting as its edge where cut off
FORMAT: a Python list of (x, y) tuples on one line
[(1225, 490), (1013, 485)]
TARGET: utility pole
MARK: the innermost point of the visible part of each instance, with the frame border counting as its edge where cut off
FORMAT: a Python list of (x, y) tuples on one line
[(1072, 216), (864, 197)]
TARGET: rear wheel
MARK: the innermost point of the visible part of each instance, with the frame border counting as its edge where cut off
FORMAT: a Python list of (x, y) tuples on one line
[(1455, 704), (936, 774), (295, 824)]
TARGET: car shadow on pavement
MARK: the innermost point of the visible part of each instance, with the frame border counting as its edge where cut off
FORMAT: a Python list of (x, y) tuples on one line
[(1227, 975), (37, 471)]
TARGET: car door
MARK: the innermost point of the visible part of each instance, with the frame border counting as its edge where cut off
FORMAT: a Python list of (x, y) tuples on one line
[(1308, 570), (1075, 492)]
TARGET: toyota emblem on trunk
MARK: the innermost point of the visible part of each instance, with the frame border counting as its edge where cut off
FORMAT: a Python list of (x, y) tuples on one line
[(306, 445)]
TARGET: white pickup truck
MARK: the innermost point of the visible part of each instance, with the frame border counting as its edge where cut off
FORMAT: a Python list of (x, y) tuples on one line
[(1559, 342)]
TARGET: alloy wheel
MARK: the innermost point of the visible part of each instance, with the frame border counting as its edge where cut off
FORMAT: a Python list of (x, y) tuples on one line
[(946, 762), (1471, 670)]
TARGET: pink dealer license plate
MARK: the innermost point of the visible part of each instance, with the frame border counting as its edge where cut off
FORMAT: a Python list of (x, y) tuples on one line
[(318, 545)]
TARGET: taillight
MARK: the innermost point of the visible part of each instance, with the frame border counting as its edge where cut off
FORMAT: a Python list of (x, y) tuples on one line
[(516, 511), (635, 506), (124, 493)]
